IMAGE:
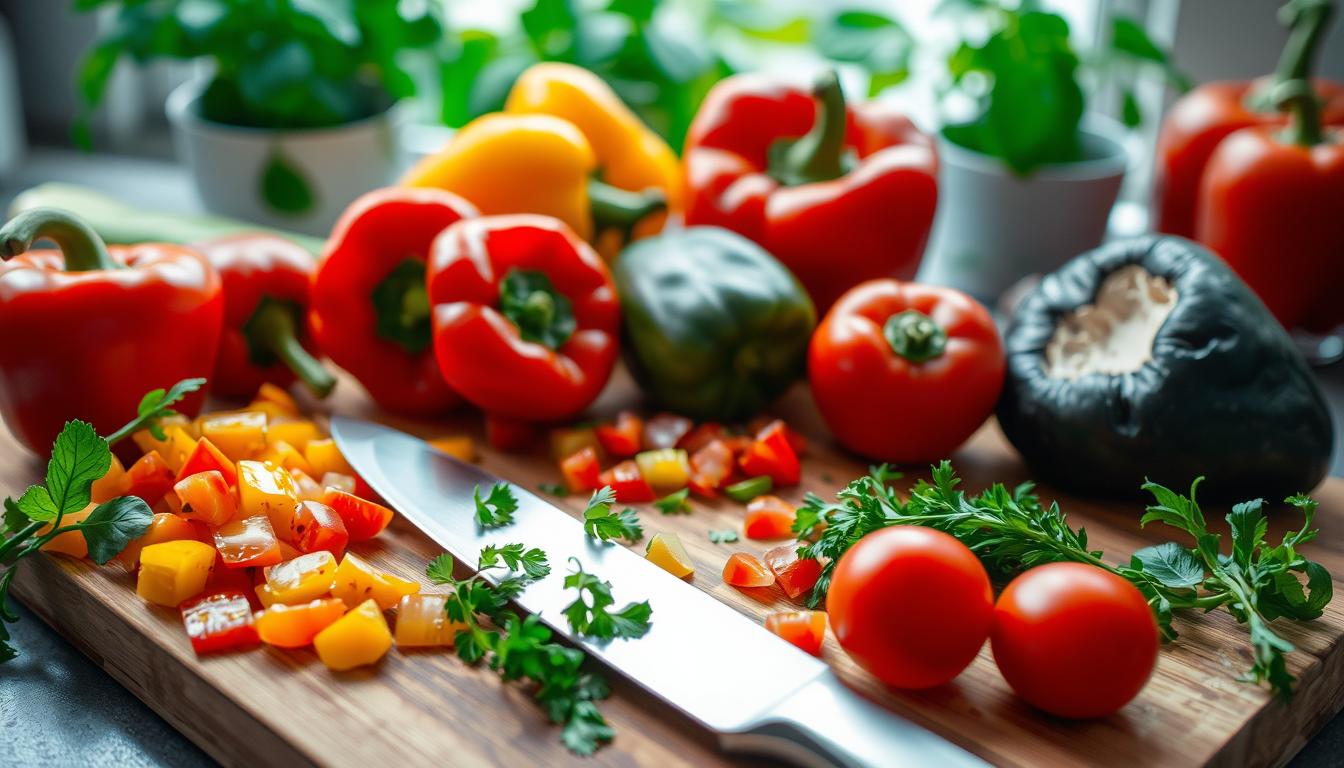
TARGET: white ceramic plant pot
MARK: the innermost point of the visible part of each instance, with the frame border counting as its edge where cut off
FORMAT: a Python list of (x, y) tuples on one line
[(994, 228), (299, 180)]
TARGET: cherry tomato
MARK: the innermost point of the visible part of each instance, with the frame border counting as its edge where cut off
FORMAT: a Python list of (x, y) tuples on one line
[(769, 517), (911, 605), (622, 438), (805, 629), (794, 575), (363, 518), (1074, 640), (743, 570)]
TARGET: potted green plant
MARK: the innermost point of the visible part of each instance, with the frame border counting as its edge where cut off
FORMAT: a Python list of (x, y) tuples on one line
[(1028, 177), (292, 116)]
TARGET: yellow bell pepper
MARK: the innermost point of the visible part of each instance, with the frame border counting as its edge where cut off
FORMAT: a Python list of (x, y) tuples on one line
[(146, 441), (277, 396), (296, 433), (70, 543), (287, 457), (458, 446), (358, 638), (422, 622), (303, 579), (357, 581), (323, 456), (665, 468), (666, 551), (239, 435), (265, 489), (173, 571)]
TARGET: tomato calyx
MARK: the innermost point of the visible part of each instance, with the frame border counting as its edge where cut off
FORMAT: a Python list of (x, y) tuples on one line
[(915, 336)]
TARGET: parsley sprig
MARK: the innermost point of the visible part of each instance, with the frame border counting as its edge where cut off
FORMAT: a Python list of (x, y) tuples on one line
[(590, 614), (1011, 531), (601, 522), (675, 503), (497, 509)]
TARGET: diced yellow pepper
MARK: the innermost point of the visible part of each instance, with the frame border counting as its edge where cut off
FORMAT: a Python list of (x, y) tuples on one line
[(567, 441), (173, 571), (271, 411), (458, 446), (357, 581), (324, 457), (666, 552), (666, 469), (422, 621), (146, 441), (239, 435), (358, 638), (265, 489), (296, 433), (110, 485), (285, 456), (70, 543), (278, 396), (305, 578)]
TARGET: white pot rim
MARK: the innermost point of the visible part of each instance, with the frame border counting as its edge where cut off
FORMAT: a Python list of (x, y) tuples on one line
[(1103, 130), (180, 108)]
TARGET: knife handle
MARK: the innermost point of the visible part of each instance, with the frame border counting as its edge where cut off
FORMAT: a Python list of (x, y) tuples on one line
[(826, 724)]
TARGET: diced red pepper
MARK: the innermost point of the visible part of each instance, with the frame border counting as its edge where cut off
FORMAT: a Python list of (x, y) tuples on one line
[(581, 471), (205, 496), (363, 519), (225, 579), (317, 527), (772, 455), (701, 436), (769, 517), (205, 457), (508, 434), (744, 570), (805, 629), (762, 424), (627, 483), (219, 622), (794, 575), (711, 466), (665, 430), (623, 438), (150, 478), (248, 542)]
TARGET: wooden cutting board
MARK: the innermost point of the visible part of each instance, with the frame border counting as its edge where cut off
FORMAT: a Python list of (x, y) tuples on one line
[(274, 707)]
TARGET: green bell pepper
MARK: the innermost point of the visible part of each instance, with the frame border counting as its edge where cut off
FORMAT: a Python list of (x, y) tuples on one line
[(715, 327)]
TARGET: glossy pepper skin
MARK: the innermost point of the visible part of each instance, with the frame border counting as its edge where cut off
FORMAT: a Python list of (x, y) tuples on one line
[(370, 311), (526, 319), (265, 280), (840, 193), (715, 328), (89, 330), (903, 372)]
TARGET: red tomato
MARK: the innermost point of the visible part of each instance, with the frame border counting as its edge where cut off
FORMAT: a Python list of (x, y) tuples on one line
[(743, 570), (316, 526), (771, 454), (761, 424), (363, 519), (711, 466), (1074, 640), (149, 478), (247, 542), (933, 350), (794, 575), (805, 629), (581, 471), (219, 622), (622, 439), (510, 434), (769, 517), (911, 605), (665, 430), (627, 483), (205, 457)]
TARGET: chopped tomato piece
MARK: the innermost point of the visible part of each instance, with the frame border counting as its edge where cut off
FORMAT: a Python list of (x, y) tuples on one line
[(581, 471), (323, 456), (305, 486), (422, 622), (665, 469), (711, 466), (769, 517), (304, 578), (357, 581), (772, 455), (294, 626), (247, 541), (805, 629), (357, 639), (763, 424), (665, 430), (206, 496), (219, 622), (286, 456), (507, 434), (225, 579), (627, 483), (164, 527), (666, 551), (173, 571), (149, 478), (239, 435), (794, 575), (265, 489), (316, 527), (111, 485), (363, 519), (205, 457), (460, 447), (622, 438), (702, 435), (744, 570)]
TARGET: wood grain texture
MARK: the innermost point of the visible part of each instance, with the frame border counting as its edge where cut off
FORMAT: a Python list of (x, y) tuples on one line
[(273, 707)]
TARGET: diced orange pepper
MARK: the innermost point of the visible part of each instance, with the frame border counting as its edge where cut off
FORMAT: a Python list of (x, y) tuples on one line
[(173, 571), (164, 527), (324, 457), (305, 486), (666, 551), (70, 543), (744, 570), (286, 456), (581, 471), (287, 551), (239, 435), (206, 496), (357, 581), (305, 578), (294, 626), (297, 433), (357, 639), (460, 447), (363, 519), (247, 541), (111, 485), (270, 393), (805, 629), (146, 441), (422, 622), (769, 517), (622, 439), (149, 478), (265, 489), (204, 457)]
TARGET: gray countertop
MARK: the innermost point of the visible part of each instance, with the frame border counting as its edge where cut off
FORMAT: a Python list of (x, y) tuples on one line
[(58, 709)]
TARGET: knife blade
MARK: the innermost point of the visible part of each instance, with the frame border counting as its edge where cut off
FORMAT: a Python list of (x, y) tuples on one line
[(757, 692)]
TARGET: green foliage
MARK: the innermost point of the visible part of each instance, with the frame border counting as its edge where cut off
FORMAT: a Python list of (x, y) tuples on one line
[(497, 508), (602, 522), (590, 614)]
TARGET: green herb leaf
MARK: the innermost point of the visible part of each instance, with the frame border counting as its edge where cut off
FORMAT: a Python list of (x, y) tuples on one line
[(154, 407), (1171, 564), (602, 523), (496, 510), (78, 457), (14, 518), (723, 537), (554, 489), (515, 557), (674, 503), (114, 524), (440, 569), (590, 614), (1249, 527)]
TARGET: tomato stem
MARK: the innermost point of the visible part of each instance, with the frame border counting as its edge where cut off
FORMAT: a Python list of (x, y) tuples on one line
[(82, 248), (914, 336)]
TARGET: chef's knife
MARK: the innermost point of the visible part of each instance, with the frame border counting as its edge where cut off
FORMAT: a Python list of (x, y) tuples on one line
[(757, 692)]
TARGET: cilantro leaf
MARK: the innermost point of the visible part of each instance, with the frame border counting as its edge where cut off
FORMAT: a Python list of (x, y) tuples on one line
[(498, 508), (114, 524), (154, 407), (586, 729), (515, 557), (723, 537), (601, 523), (590, 612), (674, 503), (440, 569)]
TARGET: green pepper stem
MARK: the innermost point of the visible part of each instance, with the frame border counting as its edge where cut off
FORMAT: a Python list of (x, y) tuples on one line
[(621, 209), (819, 154), (915, 336), (1304, 112), (82, 248), (1307, 21), (272, 328)]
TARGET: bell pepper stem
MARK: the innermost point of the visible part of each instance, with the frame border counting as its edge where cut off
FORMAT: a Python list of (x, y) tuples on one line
[(272, 328), (621, 209), (82, 248), (1307, 21), (915, 336), (1304, 112), (819, 154)]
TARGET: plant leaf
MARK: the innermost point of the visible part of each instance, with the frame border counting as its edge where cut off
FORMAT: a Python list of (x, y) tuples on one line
[(114, 524), (1171, 564)]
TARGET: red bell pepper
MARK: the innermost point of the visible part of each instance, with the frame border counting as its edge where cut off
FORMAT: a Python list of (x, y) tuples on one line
[(839, 193), (627, 483), (219, 622), (369, 312), (772, 454), (581, 471), (90, 329), (316, 526), (265, 282), (622, 438), (526, 318)]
